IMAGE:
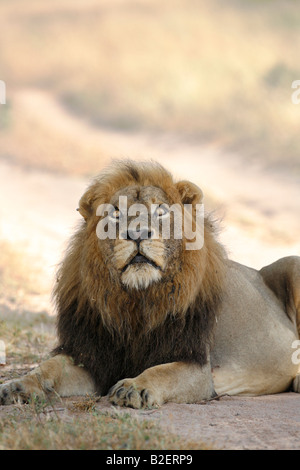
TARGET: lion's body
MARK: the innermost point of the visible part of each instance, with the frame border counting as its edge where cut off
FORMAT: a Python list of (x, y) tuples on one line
[(253, 338), (182, 324)]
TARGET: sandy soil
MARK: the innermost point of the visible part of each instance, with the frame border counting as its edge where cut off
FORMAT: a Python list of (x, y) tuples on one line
[(268, 422), (231, 423), (260, 212)]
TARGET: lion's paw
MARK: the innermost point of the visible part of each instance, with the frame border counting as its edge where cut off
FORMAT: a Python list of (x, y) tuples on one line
[(18, 391), (130, 393), (12, 392)]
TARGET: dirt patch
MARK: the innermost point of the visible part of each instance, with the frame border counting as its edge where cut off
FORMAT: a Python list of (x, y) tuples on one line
[(230, 423), (267, 422)]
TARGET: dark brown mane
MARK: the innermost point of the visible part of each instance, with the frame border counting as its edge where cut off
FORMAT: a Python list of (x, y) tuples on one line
[(115, 333)]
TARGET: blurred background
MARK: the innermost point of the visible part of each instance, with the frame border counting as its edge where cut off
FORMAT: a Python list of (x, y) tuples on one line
[(203, 87)]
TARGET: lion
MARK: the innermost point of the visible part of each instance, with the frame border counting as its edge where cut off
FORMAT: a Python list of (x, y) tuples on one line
[(146, 321)]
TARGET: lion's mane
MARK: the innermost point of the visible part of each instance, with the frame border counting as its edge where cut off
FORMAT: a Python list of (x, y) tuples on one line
[(115, 332)]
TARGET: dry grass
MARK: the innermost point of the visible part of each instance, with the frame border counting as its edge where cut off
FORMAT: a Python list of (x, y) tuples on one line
[(44, 427), (28, 337), (25, 325), (214, 71)]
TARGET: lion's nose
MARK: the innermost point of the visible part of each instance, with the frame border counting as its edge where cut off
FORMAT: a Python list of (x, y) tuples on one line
[(142, 233)]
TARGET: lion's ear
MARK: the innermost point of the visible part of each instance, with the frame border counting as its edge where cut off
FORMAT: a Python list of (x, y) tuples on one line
[(85, 204), (189, 192)]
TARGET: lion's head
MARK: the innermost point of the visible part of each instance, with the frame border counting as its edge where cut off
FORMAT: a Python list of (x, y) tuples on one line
[(141, 202), (139, 280), (138, 261)]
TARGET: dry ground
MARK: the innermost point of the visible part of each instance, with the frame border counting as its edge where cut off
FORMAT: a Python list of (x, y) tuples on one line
[(231, 423), (271, 422)]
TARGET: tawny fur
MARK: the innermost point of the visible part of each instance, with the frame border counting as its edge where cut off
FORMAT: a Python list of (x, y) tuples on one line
[(95, 308)]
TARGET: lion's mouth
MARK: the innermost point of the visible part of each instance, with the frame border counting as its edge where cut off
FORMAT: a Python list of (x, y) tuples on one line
[(138, 259)]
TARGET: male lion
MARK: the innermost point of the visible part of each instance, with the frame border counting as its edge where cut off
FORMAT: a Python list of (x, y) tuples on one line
[(147, 321)]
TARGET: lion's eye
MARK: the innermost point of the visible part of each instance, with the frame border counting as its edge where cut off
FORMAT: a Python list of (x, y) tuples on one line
[(115, 214), (161, 211)]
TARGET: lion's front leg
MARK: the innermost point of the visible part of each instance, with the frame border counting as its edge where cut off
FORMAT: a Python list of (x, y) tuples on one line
[(177, 382), (56, 375)]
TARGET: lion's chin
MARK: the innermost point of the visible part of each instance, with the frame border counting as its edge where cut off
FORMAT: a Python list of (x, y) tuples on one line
[(140, 276)]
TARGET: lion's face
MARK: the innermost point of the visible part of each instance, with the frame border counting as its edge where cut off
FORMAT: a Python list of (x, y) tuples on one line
[(146, 251), (142, 253), (123, 278)]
